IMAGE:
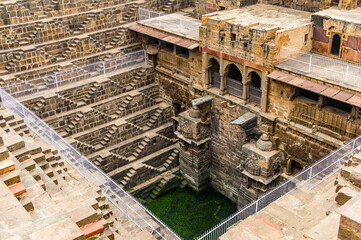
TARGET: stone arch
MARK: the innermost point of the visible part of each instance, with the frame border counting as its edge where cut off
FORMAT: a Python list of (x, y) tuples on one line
[(234, 80), (252, 75), (254, 83), (214, 77)]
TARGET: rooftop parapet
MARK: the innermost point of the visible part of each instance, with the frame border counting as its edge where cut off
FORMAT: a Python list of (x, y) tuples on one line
[(337, 33), (255, 33)]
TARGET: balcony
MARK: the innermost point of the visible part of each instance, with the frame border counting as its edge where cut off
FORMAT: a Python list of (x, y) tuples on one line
[(318, 65), (171, 61), (327, 119)]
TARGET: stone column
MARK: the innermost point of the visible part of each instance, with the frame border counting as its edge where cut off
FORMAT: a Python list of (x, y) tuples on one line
[(244, 82), (194, 139), (221, 72), (205, 66), (264, 87), (289, 167)]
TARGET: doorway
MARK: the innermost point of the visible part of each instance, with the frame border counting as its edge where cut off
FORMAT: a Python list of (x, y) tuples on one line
[(336, 45)]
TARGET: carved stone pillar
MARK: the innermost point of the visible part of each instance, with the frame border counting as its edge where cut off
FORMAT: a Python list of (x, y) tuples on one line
[(260, 166), (245, 93), (264, 87), (205, 71), (221, 72), (194, 139)]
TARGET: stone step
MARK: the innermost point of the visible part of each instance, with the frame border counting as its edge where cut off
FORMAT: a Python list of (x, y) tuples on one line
[(84, 215), (68, 230), (6, 166), (17, 189), (10, 178), (28, 165), (327, 228), (93, 229), (22, 154)]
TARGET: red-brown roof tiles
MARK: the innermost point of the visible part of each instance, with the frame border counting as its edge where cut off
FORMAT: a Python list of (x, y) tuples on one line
[(179, 41), (324, 90)]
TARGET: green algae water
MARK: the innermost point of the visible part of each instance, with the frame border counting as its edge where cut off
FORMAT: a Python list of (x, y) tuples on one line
[(190, 213)]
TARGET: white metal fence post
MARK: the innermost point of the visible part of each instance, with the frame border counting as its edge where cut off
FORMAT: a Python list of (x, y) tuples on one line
[(126, 204), (309, 178), (104, 72)]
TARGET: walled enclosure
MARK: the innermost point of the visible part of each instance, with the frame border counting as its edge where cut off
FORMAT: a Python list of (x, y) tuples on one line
[(214, 105)]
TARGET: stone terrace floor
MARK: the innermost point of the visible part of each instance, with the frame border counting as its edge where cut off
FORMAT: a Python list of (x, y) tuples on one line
[(176, 24), (293, 216), (321, 66)]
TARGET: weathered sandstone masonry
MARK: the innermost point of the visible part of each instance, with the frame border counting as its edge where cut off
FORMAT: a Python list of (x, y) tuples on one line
[(19, 11), (210, 6), (120, 121), (331, 210), (194, 133), (337, 36), (41, 193), (172, 44)]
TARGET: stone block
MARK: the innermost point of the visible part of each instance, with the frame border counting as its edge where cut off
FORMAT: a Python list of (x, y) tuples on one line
[(144, 235), (62, 230), (14, 143), (6, 166), (355, 176), (12, 214), (18, 189), (350, 223), (92, 229), (10, 178), (346, 172), (344, 194), (4, 153), (83, 215)]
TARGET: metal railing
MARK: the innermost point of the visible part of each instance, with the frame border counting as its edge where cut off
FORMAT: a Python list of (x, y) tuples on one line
[(234, 87), (322, 66), (147, 14), (127, 61), (172, 61), (216, 80), (255, 95), (311, 177), (179, 24), (111, 190)]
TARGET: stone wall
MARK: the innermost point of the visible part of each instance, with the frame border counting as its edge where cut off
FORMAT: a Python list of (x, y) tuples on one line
[(226, 148), (210, 6), (21, 11), (326, 27), (62, 50), (305, 5), (61, 27), (169, 6), (253, 43)]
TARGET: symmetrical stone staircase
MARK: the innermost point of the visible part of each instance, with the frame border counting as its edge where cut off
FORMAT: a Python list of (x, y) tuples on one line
[(41, 193), (46, 46)]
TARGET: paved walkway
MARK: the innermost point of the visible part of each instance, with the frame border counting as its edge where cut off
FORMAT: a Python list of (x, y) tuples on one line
[(297, 215), (322, 66)]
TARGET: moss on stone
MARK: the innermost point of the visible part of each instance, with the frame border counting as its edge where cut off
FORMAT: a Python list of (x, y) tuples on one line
[(190, 213)]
